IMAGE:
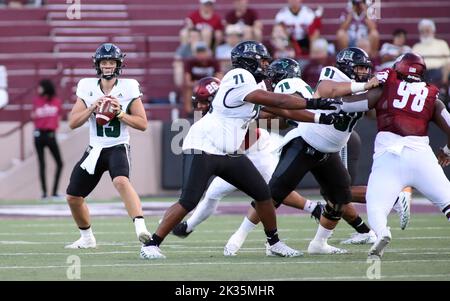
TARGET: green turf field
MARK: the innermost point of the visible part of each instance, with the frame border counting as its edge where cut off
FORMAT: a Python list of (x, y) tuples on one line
[(32, 249)]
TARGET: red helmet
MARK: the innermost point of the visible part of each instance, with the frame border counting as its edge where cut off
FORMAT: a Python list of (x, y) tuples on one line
[(206, 89), (410, 67)]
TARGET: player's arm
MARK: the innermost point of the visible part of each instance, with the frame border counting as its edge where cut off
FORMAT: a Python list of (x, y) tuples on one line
[(305, 116), (332, 89), (361, 102), (135, 115), (289, 102), (442, 119), (80, 113)]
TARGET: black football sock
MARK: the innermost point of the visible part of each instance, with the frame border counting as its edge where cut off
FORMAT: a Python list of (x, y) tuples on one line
[(272, 236), (84, 228), (155, 241), (359, 225)]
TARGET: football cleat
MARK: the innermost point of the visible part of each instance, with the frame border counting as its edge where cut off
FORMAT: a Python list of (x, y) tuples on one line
[(233, 245), (403, 207), (83, 243), (180, 230), (377, 250), (282, 250), (317, 247), (151, 252), (361, 238), (145, 237)]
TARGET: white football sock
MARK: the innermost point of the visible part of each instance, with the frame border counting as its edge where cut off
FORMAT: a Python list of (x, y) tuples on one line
[(86, 234), (246, 227), (322, 234), (309, 206), (139, 225), (204, 210)]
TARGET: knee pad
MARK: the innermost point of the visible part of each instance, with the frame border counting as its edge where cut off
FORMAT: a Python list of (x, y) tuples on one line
[(333, 211)]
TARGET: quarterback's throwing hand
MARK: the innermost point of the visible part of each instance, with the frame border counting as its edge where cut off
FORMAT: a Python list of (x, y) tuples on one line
[(323, 103)]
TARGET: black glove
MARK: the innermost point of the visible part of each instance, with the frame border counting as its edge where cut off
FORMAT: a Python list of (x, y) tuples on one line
[(323, 103), (331, 118)]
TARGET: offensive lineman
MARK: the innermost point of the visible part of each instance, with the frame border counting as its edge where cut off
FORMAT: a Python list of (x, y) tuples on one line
[(109, 148), (212, 144), (259, 150)]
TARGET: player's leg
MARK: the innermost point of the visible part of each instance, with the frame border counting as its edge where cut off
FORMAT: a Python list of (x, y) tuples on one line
[(217, 190), (386, 180), (40, 144), (431, 181), (363, 234), (250, 181), (334, 181), (54, 149), (197, 170), (119, 163), (81, 185)]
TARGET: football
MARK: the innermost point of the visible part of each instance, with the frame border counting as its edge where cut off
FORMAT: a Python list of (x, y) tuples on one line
[(104, 113)]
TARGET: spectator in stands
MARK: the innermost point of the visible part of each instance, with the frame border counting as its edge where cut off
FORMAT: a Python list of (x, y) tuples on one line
[(201, 65), (435, 52), (357, 25), (207, 21), (365, 45), (300, 24), (46, 114), (184, 52), (16, 3), (319, 58), (281, 45), (247, 18), (233, 35), (390, 51)]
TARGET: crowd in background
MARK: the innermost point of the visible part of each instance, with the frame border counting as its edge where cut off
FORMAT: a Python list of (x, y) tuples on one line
[(207, 38)]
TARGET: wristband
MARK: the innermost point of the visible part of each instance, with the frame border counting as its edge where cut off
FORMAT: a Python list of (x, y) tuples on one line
[(357, 87), (317, 118)]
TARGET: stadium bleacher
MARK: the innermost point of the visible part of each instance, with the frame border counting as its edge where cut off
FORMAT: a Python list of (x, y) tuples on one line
[(43, 42)]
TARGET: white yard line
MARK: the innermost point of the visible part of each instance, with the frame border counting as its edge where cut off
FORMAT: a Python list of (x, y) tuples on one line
[(163, 263)]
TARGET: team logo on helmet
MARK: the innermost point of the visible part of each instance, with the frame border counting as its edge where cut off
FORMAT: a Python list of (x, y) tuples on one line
[(250, 48)]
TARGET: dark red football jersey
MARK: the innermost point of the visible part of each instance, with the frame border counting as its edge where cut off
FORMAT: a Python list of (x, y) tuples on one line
[(404, 108)]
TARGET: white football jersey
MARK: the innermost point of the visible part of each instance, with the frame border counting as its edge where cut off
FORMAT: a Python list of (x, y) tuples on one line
[(293, 86), (329, 138), (223, 129), (114, 132)]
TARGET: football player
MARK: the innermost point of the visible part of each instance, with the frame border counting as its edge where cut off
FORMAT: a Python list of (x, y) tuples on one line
[(258, 148), (109, 148), (212, 145), (405, 105), (315, 148)]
